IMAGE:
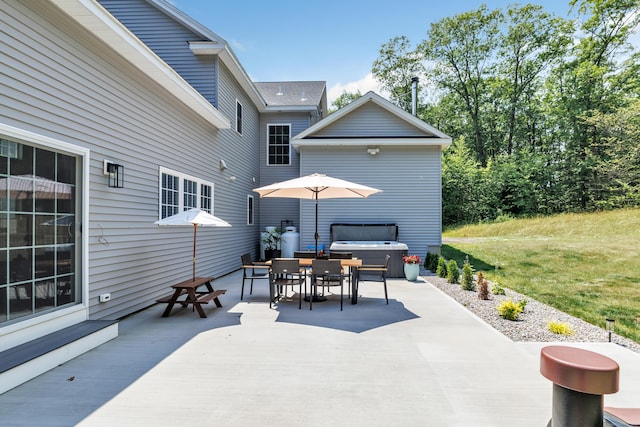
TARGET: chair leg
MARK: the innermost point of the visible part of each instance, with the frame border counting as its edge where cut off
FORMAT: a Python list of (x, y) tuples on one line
[(251, 288), (341, 293), (242, 288), (385, 290)]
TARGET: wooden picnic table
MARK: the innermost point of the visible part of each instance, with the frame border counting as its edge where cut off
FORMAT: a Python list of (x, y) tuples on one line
[(193, 296)]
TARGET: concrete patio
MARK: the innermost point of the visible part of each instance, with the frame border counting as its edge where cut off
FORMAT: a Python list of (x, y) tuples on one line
[(422, 360)]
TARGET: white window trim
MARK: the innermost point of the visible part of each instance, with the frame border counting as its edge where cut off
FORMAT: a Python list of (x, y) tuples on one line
[(37, 326), (238, 103), (251, 212), (290, 147), (181, 177)]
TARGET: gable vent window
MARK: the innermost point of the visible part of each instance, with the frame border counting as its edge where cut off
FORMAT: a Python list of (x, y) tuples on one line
[(278, 145)]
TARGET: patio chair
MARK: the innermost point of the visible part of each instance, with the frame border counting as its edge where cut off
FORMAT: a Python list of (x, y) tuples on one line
[(326, 272), (345, 270), (307, 255), (374, 273), (251, 271), (285, 272)]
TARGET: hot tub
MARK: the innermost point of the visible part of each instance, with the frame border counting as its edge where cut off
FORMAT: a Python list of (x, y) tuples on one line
[(371, 243)]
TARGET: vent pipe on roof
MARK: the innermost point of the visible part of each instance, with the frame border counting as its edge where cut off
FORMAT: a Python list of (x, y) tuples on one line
[(414, 95)]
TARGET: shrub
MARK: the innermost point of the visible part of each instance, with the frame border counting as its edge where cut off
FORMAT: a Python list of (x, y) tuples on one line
[(431, 262), (483, 287), (523, 304), (453, 274), (467, 276), (560, 328), (497, 289), (441, 270), (510, 310)]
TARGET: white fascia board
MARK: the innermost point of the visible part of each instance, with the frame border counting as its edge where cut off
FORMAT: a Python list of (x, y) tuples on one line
[(228, 58), (363, 142), (95, 19), (241, 76)]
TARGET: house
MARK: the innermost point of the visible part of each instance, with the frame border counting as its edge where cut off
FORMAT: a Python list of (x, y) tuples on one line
[(116, 114), (373, 142)]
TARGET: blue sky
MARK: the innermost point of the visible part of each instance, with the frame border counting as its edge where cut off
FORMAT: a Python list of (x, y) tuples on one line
[(334, 41)]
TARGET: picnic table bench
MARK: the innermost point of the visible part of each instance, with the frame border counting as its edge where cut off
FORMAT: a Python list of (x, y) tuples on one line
[(193, 296)]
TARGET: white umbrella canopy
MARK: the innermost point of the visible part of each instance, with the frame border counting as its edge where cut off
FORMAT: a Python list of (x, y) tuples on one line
[(316, 186), (196, 218)]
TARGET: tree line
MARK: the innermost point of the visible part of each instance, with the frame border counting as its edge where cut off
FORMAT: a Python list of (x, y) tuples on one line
[(544, 111)]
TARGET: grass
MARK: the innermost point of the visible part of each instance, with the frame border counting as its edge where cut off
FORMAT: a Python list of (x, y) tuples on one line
[(586, 265)]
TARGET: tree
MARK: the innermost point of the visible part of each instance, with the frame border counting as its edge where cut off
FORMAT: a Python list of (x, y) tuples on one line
[(344, 99), (532, 41), (592, 80), (462, 48), (619, 165), (395, 67)]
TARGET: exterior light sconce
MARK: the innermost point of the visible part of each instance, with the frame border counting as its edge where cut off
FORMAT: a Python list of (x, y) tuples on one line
[(115, 173), (611, 324), (373, 150), (222, 165)]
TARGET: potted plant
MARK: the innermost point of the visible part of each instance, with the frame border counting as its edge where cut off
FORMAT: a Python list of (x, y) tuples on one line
[(411, 267), (271, 240)]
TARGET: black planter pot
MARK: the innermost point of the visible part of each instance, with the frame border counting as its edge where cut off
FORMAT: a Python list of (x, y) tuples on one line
[(271, 253)]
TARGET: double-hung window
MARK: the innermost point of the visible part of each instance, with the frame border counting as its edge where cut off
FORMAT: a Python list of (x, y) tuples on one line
[(180, 192), (278, 148)]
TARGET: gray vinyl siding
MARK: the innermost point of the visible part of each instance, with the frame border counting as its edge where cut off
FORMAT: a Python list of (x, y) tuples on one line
[(169, 40), (275, 210), (370, 120), (59, 81), (239, 151), (409, 178)]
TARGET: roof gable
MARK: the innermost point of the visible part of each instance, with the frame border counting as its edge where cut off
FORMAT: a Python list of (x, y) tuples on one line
[(373, 117)]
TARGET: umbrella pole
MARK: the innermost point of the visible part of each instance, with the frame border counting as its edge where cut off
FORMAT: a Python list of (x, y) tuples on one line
[(316, 234), (195, 226)]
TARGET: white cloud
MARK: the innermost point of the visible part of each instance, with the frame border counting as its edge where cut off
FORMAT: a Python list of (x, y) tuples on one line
[(364, 85)]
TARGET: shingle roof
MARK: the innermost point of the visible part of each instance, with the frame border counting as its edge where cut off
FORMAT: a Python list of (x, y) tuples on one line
[(291, 93)]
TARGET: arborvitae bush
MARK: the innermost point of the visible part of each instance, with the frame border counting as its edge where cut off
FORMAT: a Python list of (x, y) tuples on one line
[(441, 270), (483, 287), (467, 276), (453, 274), (431, 261)]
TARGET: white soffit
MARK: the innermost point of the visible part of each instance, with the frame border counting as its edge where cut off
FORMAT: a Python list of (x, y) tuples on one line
[(95, 19)]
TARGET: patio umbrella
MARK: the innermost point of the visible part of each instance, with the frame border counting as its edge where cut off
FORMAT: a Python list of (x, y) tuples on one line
[(316, 186), (196, 218)]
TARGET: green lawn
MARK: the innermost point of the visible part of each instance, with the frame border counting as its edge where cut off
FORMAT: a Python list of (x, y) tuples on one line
[(587, 265)]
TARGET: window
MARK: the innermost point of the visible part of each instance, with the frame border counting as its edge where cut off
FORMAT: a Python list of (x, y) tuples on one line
[(238, 117), (249, 210), (205, 197), (38, 239), (179, 192), (278, 144)]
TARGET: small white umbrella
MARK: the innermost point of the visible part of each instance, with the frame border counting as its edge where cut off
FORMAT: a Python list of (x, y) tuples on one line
[(316, 186), (195, 217)]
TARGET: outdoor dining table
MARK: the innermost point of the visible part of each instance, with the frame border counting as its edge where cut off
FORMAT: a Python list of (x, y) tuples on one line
[(352, 263), (194, 296)]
